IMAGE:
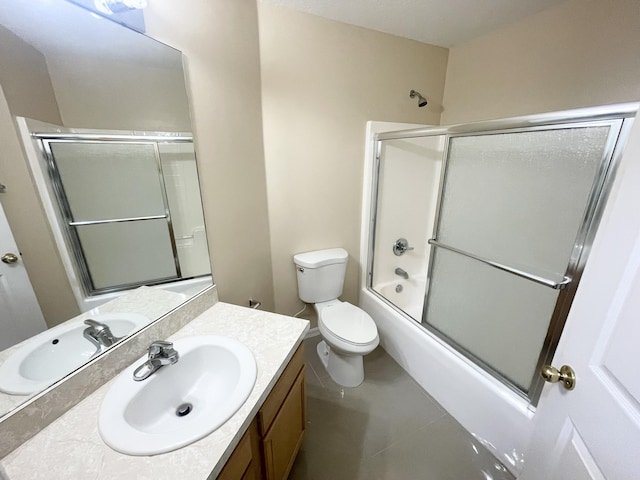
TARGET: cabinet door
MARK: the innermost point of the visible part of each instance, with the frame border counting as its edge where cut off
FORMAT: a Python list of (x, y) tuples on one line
[(277, 396), (283, 440), (243, 464)]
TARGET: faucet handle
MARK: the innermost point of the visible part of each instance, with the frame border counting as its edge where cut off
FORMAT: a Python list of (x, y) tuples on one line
[(401, 247), (161, 348), (94, 324)]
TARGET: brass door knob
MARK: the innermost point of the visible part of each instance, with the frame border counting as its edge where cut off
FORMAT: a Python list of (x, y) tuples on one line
[(9, 258), (566, 375)]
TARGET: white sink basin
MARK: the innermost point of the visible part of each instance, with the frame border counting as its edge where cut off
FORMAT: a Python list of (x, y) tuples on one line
[(211, 381), (54, 353)]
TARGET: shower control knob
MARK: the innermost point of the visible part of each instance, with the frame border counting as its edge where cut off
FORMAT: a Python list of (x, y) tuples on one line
[(401, 246), (9, 258), (566, 375)]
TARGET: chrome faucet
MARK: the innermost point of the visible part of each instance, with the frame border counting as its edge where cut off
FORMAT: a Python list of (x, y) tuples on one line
[(99, 334), (161, 353), (402, 273)]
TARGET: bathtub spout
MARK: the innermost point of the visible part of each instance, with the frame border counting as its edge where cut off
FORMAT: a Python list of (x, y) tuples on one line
[(402, 273)]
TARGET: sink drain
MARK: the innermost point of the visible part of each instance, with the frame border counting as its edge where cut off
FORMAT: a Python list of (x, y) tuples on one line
[(184, 409)]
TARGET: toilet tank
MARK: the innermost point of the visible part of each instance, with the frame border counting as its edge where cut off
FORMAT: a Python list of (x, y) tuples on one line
[(321, 274)]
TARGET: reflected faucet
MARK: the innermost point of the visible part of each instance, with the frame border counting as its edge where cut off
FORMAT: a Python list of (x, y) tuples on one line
[(99, 334), (161, 353), (402, 273)]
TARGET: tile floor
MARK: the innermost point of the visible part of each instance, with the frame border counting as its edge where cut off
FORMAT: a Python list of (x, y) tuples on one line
[(388, 428)]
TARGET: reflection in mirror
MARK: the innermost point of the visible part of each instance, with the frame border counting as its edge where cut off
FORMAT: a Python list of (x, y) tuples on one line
[(101, 217), (104, 189)]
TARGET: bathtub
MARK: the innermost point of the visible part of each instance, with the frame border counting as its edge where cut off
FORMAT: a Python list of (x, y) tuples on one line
[(499, 417), (493, 413), (186, 288), (406, 295)]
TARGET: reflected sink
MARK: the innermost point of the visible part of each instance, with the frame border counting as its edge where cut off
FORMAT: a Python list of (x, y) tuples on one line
[(54, 353), (179, 403)]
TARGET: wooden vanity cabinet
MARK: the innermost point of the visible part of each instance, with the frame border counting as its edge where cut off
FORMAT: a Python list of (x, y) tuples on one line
[(269, 447)]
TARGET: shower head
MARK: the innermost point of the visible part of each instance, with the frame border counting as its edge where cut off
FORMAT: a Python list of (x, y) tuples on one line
[(421, 100)]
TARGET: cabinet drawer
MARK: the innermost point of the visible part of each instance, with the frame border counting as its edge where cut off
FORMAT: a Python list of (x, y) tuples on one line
[(283, 440), (272, 404)]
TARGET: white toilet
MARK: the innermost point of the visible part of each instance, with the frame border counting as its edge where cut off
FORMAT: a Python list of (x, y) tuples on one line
[(348, 332)]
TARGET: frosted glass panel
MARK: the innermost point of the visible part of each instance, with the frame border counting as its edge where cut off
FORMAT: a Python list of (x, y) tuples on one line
[(127, 252), (183, 195), (520, 198), (183, 190), (498, 317), (408, 182), (105, 181)]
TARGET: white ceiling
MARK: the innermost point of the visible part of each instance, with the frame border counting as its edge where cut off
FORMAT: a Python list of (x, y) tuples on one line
[(438, 22)]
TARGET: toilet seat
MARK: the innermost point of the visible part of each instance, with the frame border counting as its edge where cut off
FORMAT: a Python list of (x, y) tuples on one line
[(348, 323)]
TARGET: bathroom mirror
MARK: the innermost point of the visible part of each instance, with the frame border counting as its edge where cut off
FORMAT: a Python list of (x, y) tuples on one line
[(103, 109)]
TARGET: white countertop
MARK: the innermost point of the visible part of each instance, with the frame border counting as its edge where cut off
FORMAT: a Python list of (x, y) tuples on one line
[(71, 447)]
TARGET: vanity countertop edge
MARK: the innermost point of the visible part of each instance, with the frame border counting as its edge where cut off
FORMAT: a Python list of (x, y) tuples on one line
[(71, 446)]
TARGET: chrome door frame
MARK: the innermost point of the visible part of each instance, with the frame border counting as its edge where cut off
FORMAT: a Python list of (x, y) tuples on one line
[(44, 141), (620, 117)]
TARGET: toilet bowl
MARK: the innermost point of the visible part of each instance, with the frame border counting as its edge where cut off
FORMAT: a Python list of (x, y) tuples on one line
[(348, 334)]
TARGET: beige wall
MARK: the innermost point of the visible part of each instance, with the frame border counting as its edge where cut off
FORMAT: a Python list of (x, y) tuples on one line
[(579, 53), (95, 93), (30, 227), (26, 91), (219, 39), (321, 82), (25, 79)]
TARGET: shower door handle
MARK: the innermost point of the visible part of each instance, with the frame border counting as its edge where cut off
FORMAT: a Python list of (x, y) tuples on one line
[(561, 285)]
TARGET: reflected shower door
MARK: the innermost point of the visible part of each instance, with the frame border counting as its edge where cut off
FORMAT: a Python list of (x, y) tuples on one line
[(113, 197), (514, 213)]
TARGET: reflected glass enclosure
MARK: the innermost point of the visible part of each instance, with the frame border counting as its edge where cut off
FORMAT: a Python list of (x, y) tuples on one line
[(130, 206), (494, 220)]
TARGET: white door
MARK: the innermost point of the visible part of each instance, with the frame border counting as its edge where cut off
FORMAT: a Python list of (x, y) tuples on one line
[(593, 431), (20, 314)]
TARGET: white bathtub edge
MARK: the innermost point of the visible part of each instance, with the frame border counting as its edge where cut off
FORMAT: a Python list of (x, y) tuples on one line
[(490, 411)]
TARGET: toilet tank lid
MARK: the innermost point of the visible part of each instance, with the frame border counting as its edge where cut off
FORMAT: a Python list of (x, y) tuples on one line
[(319, 258)]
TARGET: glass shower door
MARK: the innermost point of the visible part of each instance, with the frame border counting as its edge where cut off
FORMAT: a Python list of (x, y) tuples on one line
[(514, 212)]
